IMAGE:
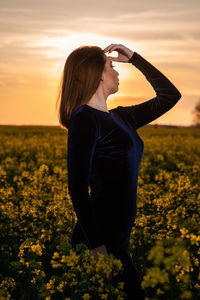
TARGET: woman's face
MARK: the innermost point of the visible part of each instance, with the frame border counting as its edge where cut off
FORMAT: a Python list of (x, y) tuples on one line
[(110, 77)]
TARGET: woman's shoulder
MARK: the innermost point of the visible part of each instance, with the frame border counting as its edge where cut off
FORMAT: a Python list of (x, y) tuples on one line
[(82, 116), (83, 124)]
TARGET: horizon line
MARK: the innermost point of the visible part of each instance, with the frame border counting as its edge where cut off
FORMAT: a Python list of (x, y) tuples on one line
[(51, 125)]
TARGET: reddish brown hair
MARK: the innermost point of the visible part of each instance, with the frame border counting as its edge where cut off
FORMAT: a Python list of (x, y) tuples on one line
[(80, 79)]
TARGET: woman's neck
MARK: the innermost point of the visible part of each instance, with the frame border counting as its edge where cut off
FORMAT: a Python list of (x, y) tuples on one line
[(98, 106)]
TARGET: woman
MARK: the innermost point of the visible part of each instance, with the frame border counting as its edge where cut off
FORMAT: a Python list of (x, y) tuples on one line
[(105, 150)]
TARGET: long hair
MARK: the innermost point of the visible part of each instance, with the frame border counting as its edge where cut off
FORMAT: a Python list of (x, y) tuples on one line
[(80, 79)]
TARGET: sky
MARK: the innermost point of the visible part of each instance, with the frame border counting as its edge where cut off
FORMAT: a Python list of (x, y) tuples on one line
[(37, 36)]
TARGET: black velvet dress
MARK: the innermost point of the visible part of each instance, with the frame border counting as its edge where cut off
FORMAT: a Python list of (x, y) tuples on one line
[(104, 152)]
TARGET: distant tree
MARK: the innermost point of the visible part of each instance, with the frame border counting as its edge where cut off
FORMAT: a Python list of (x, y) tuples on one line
[(196, 113)]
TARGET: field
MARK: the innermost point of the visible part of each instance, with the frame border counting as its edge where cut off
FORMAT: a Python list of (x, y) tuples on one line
[(36, 258)]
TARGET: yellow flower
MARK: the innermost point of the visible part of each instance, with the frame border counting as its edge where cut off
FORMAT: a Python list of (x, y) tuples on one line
[(186, 295), (86, 296), (60, 286), (121, 285), (55, 255), (33, 280), (37, 249), (104, 296)]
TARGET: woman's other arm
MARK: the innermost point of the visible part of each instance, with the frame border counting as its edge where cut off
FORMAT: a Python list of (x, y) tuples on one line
[(101, 249), (82, 137)]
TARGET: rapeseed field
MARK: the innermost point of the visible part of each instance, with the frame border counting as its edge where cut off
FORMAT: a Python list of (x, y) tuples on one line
[(37, 217)]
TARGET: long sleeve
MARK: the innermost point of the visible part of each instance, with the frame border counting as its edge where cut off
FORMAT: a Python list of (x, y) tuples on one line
[(167, 95), (82, 137)]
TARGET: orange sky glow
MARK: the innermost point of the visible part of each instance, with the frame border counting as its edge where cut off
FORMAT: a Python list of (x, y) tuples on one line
[(37, 36)]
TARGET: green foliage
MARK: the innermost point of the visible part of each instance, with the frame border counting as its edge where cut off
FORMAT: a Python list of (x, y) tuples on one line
[(37, 217)]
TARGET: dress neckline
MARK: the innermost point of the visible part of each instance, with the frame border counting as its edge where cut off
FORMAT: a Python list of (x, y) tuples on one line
[(108, 113)]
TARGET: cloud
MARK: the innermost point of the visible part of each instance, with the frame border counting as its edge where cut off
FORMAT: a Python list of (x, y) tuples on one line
[(36, 36)]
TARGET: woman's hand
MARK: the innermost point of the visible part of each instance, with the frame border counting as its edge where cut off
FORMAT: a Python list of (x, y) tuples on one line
[(124, 54), (101, 249)]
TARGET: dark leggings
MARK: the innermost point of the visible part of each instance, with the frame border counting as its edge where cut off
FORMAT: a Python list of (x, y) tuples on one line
[(117, 243)]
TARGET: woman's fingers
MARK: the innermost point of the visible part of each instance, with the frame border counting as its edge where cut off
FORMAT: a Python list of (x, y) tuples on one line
[(114, 58), (105, 50), (110, 48), (124, 53)]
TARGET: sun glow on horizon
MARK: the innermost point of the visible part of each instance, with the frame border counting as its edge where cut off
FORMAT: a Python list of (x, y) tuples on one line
[(37, 38), (57, 49)]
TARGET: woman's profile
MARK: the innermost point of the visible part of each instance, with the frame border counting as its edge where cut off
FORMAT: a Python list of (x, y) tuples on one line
[(104, 150)]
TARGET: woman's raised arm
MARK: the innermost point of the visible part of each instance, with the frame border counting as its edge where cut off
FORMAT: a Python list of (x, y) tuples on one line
[(167, 95)]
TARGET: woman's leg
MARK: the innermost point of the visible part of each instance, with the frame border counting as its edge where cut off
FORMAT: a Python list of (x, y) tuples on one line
[(77, 236), (133, 280), (117, 243), (130, 276)]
